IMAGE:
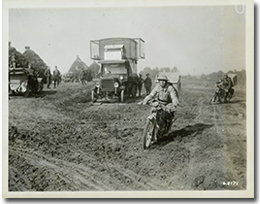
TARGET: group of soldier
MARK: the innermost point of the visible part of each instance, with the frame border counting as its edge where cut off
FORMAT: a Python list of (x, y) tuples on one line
[(56, 77), (147, 82)]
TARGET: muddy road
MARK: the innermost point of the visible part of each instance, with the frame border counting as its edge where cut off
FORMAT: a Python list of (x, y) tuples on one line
[(61, 142)]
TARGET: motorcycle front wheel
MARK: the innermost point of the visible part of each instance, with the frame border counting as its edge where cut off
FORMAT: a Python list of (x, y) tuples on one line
[(213, 98), (148, 134)]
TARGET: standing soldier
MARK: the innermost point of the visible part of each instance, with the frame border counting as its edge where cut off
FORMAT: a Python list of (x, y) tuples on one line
[(148, 84), (32, 79), (56, 77), (140, 84), (47, 73)]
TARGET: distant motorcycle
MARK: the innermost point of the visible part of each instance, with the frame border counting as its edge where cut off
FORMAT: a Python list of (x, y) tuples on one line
[(220, 94), (158, 124)]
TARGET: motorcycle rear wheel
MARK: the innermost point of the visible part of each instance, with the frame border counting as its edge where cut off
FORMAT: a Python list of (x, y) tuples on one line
[(148, 134), (229, 96)]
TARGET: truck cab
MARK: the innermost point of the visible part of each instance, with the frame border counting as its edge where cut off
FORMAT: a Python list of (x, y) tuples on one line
[(118, 59)]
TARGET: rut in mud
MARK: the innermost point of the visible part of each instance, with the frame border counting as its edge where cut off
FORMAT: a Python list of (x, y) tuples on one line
[(61, 142)]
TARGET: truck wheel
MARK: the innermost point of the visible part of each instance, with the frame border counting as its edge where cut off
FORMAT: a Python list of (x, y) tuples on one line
[(122, 96)]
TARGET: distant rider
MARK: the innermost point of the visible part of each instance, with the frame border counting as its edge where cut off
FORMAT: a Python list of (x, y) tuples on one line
[(227, 85)]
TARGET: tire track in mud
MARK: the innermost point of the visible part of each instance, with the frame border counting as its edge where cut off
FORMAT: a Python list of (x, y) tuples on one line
[(207, 176), (193, 167), (84, 174), (61, 167), (236, 156), (229, 166), (146, 182)]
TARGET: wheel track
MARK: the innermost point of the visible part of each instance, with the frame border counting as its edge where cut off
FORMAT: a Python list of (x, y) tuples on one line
[(62, 166), (83, 172), (229, 166)]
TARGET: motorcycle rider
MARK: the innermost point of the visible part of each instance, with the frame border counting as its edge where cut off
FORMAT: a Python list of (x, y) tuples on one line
[(227, 85), (166, 95)]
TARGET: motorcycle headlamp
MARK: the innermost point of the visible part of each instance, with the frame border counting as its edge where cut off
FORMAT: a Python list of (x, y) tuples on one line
[(116, 84), (121, 77)]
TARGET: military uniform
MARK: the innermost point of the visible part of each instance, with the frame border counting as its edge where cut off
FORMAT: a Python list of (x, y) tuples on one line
[(227, 85), (140, 85), (148, 84), (47, 73), (32, 80), (56, 77), (166, 96)]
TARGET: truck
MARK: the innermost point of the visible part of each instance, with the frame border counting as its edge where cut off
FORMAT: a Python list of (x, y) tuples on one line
[(21, 81), (117, 76)]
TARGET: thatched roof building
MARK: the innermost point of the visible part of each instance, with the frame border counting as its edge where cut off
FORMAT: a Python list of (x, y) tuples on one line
[(16, 59), (35, 60), (94, 68), (78, 66)]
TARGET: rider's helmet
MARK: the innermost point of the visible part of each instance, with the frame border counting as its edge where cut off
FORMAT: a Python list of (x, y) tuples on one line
[(162, 77)]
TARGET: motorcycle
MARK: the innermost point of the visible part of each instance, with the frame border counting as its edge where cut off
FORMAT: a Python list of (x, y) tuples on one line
[(158, 124), (220, 94)]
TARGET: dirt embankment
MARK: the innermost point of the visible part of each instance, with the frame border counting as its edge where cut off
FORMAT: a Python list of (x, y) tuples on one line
[(60, 141)]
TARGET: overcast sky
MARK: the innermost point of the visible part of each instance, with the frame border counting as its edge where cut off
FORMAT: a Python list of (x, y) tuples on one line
[(194, 39)]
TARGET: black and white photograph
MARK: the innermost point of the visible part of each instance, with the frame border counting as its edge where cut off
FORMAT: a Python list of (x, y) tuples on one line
[(128, 99)]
